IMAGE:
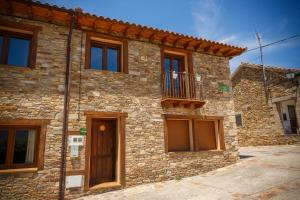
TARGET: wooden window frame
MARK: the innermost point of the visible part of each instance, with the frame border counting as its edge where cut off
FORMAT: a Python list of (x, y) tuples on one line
[(120, 179), (102, 40), (191, 142), (23, 31), (38, 164), (219, 126)]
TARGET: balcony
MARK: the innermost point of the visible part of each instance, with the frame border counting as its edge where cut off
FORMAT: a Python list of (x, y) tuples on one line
[(182, 89)]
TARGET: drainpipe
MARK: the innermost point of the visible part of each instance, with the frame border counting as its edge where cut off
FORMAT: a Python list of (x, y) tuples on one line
[(62, 181)]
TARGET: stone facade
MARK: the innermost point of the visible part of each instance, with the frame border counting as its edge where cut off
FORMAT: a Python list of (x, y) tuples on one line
[(262, 122), (36, 94)]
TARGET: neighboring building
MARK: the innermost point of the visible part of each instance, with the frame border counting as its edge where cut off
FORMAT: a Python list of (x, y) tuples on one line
[(271, 116), (145, 105)]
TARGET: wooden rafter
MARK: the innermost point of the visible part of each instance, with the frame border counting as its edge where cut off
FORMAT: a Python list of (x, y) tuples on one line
[(29, 11), (151, 38), (126, 30), (187, 44), (50, 15), (197, 47), (111, 27), (229, 53), (164, 39), (217, 50), (175, 42), (139, 34)]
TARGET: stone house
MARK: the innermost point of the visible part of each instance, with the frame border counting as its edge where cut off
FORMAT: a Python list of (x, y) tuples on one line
[(267, 112), (90, 104)]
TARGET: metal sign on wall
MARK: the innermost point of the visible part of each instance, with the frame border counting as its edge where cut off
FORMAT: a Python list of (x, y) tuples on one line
[(83, 131), (223, 87)]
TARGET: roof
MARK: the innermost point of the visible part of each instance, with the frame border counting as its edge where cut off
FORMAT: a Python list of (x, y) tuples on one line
[(62, 16), (268, 68)]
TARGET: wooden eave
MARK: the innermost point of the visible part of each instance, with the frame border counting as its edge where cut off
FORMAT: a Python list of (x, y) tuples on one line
[(85, 21), (187, 103)]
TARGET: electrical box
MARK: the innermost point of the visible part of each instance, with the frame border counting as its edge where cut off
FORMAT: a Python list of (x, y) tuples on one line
[(74, 181), (75, 140)]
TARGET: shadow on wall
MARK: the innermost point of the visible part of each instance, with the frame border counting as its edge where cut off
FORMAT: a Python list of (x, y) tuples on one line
[(245, 156)]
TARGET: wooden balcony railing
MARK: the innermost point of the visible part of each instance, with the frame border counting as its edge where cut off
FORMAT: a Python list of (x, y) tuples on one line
[(180, 86)]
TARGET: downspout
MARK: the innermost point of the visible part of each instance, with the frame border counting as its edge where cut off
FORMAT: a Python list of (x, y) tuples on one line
[(62, 181)]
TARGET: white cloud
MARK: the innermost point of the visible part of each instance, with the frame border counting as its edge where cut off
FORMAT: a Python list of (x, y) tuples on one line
[(207, 16), (228, 39)]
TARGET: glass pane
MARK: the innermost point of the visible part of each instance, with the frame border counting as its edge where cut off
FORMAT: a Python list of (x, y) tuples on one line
[(112, 60), (1, 45), (176, 64), (3, 145), (167, 73), (96, 58), (167, 65), (18, 53), (24, 146)]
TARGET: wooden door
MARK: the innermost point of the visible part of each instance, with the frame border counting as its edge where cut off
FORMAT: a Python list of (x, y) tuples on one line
[(103, 151), (293, 118)]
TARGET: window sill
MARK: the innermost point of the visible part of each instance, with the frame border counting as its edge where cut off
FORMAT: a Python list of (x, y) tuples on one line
[(15, 67), (21, 170), (108, 185)]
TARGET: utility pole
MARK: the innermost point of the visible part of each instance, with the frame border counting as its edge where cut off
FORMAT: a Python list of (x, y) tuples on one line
[(262, 65)]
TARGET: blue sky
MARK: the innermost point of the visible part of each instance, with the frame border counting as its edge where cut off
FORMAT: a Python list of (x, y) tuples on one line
[(230, 21)]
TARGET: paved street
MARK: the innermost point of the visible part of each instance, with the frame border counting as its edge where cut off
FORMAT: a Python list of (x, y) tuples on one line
[(263, 173)]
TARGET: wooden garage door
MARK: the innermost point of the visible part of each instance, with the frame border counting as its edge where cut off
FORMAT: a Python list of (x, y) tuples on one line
[(178, 135), (205, 138)]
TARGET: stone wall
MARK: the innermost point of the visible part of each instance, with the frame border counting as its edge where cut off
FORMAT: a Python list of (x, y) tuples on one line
[(33, 94), (137, 93), (260, 117)]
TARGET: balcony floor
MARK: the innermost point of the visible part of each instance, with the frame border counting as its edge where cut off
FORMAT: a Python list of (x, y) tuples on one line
[(175, 102)]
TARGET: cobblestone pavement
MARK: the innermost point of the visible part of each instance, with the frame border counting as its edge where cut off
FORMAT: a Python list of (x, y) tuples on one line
[(269, 172)]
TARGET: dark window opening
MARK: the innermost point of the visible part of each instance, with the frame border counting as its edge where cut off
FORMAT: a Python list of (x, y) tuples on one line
[(284, 117), (238, 120), (3, 145), (105, 57), (15, 49)]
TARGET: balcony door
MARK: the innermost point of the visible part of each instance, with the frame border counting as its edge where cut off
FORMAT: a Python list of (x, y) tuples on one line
[(174, 76)]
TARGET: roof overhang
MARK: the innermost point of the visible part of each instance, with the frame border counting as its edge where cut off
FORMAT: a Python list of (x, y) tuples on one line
[(85, 21)]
